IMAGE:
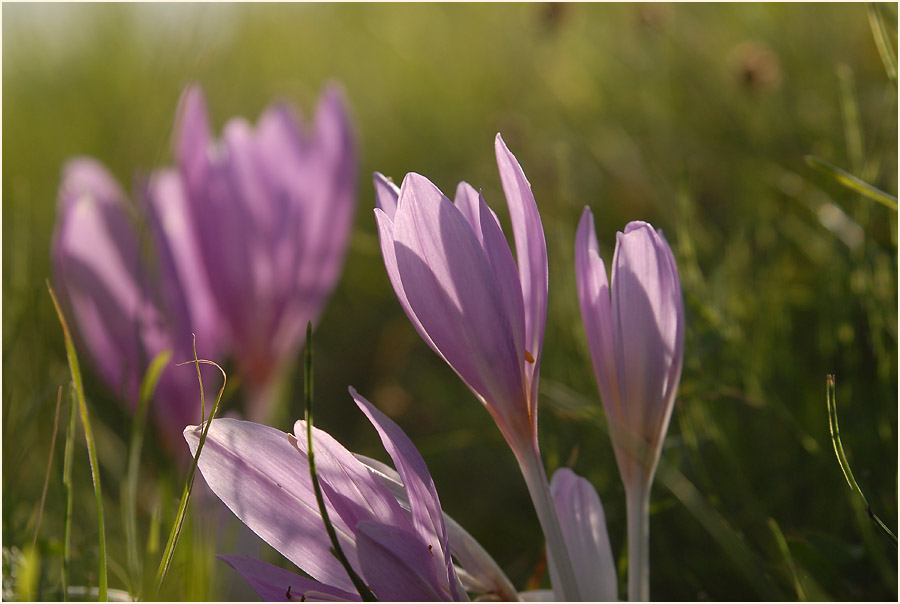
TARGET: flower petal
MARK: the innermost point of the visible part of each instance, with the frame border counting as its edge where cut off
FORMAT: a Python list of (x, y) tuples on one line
[(192, 136), (274, 584), (424, 504), (98, 272), (386, 194), (349, 485), (451, 288), (482, 573), (396, 565), (531, 253), (584, 530), (264, 480)]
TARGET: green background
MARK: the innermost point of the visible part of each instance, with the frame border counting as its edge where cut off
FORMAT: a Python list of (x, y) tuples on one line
[(696, 118)]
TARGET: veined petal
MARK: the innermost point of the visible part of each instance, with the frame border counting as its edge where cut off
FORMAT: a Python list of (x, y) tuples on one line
[(355, 494), (274, 584), (648, 315), (386, 194), (264, 480), (425, 507), (451, 288), (594, 299), (482, 573), (386, 239), (531, 253), (584, 530), (397, 565)]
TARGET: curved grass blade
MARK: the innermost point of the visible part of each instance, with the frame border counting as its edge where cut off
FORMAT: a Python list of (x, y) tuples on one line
[(37, 526), (70, 498), (129, 490), (364, 592), (169, 551), (75, 370), (883, 42), (831, 402), (852, 182)]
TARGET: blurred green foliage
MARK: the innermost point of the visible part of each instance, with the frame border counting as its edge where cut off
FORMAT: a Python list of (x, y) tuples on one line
[(696, 118)]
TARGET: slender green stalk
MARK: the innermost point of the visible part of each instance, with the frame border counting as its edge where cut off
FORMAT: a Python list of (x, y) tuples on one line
[(831, 403), (883, 42), (169, 551), (129, 491), (70, 499), (786, 552), (536, 480), (75, 370), (852, 182), (637, 502), (364, 592), (37, 525)]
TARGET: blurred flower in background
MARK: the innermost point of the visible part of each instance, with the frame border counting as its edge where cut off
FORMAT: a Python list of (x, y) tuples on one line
[(247, 239), (272, 208)]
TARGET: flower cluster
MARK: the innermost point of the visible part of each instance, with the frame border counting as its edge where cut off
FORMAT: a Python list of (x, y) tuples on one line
[(484, 313), (247, 237)]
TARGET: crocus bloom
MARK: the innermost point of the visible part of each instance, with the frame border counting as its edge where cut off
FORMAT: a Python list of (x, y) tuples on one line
[(456, 279), (273, 206), (389, 524), (635, 333), (119, 315)]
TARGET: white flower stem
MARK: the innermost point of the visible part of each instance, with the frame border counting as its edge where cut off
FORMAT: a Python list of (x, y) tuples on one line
[(539, 488), (637, 500)]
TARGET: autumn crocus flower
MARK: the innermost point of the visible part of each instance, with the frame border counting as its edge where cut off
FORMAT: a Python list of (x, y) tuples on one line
[(123, 310), (273, 206), (635, 333), (455, 277), (389, 523)]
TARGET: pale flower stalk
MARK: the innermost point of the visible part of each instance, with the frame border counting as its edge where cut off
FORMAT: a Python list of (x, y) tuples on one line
[(477, 308), (635, 333)]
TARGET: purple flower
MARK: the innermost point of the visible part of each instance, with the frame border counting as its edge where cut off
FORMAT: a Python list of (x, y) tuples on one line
[(455, 277), (389, 524), (273, 206), (120, 316), (635, 333)]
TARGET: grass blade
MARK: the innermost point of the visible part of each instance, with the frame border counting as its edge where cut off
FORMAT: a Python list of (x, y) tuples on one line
[(129, 491), (169, 551), (67, 484), (364, 592), (831, 403), (852, 182), (37, 526), (786, 552), (883, 42), (75, 370)]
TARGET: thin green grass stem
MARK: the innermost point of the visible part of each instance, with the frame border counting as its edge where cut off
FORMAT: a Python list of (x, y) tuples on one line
[(831, 402), (786, 552), (169, 551), (883, 42), (364, 592), (70, 499), (851, 182), (37, 525), (75, 370), (129, 491)]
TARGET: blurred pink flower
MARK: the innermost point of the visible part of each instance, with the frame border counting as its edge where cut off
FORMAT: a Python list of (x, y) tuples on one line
[(120, 315), (272, 207)]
